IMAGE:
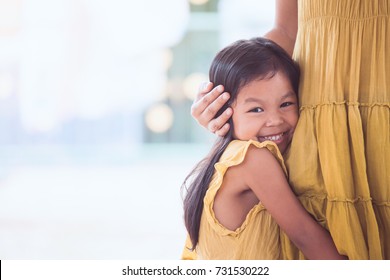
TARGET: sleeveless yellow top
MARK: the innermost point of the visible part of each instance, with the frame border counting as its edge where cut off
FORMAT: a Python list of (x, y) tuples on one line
[(257, 238), (339, 159)]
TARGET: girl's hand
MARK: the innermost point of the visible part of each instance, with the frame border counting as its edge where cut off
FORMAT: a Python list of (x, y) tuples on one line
[(207, 103)]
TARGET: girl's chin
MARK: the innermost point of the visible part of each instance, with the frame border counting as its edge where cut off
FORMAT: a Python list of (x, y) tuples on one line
[(283, 147)]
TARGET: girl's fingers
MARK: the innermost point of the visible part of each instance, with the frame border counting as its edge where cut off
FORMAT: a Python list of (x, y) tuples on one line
[(204, 99), (204, 88), (220, 125), (206, 107), (224, 130)]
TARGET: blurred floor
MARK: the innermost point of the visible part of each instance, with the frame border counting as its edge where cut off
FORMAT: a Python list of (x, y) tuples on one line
[(107, 206)]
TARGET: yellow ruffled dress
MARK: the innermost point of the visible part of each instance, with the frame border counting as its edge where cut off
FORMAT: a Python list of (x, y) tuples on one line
[(259, 235), (339, 159)]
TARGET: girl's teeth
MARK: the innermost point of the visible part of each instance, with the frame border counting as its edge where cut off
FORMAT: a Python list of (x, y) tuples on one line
[(273, 138)]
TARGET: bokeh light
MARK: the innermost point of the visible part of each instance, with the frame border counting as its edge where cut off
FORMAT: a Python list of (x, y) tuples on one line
[(198, 2), (159, 118), (167, 58)]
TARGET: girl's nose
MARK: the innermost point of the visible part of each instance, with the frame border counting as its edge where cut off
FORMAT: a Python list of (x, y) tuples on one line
[(274, 119)]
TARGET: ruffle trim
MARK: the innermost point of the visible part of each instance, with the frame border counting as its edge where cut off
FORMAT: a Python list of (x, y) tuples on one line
[(355, 104), (354, 237), (344, 18), (310, 197)]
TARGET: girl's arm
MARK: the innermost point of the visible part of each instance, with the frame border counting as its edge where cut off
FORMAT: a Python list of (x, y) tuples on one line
[(208, 100), (264, 175)]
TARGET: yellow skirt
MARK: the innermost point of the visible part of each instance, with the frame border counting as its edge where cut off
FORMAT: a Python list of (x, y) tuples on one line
[(339, 160)]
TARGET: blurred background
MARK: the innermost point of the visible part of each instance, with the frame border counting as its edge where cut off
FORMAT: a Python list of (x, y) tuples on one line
[(96, 135)]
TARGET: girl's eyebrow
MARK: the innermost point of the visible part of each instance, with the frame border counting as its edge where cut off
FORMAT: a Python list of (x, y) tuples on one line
[(252, 99), (257, 100), (288, 94)]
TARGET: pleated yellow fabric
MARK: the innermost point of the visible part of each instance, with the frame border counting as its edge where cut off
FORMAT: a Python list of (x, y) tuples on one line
[(257, 238), (339, 159)]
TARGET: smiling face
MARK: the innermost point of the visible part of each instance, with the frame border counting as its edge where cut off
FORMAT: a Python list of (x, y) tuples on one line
[(266, 109)]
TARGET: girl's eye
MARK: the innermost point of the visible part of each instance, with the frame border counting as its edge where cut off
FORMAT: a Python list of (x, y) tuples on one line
[(256, 110), (286, 104)]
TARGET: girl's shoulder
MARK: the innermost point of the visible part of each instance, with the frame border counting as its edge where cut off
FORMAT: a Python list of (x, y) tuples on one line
[(251, 152)]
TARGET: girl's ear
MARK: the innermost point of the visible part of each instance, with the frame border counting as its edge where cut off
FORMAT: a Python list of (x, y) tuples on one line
[(231, 128)]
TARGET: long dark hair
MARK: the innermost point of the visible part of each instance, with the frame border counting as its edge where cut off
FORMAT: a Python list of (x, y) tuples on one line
[(233, 67)]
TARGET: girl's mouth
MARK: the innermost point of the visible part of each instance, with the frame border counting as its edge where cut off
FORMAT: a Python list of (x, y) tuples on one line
[(273, 138)]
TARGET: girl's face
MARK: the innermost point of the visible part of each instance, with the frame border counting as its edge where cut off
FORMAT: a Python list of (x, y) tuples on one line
[(266, 110)]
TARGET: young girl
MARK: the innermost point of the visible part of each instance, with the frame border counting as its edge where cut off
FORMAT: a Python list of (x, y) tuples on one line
[(238, 197)]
